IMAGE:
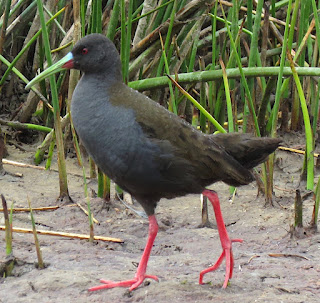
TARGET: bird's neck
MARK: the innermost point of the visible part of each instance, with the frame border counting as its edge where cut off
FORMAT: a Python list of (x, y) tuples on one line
[(107, 77), (107, 73)]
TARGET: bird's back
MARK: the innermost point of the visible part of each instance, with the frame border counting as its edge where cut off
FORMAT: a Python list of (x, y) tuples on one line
[(187, 160)]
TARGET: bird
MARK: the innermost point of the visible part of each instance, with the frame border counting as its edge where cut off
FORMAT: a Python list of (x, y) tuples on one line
[(150, 152)]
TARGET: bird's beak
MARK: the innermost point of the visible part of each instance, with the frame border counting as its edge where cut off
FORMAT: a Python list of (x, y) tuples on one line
[(65, 62)]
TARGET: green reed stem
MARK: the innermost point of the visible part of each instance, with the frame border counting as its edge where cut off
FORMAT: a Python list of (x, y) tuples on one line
[(173, 106), (308, 130), (50, 152), (244, 82), (30, 126), (272, 123), (228, 98), (113, 23), (167, 42), (205, 76), (198, 106), (55, 100)]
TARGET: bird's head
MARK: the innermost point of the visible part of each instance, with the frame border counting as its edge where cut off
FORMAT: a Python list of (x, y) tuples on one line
[(94, 54)]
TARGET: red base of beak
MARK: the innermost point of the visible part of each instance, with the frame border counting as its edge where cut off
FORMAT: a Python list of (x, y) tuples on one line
[(68, 64)]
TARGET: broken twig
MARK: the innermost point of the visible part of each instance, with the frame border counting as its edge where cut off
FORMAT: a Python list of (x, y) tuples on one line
[(63, 234)]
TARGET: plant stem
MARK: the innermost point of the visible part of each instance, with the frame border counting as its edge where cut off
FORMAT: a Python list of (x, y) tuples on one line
[(36, 240), (205, 76), (55, 100)]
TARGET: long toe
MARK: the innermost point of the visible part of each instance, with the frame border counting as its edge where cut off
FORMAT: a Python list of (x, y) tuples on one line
[(211, 268), (110, 284), (228, 255), (229, 267), (132, 284)]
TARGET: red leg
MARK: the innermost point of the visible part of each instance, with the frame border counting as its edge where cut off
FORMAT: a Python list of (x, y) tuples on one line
[(226, 243), (141, 271)]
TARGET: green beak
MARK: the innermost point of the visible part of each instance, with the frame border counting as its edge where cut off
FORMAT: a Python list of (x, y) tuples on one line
[(65, 62)]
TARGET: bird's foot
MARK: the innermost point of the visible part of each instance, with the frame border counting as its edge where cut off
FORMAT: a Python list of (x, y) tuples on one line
[(140, 275), (132, 284), (227, 254)]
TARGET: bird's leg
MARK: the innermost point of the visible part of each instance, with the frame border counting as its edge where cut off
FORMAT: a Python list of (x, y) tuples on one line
[(226, 242), (141, 271)]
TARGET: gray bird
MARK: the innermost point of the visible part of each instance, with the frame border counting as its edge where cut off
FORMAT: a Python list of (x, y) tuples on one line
[(148, 151)]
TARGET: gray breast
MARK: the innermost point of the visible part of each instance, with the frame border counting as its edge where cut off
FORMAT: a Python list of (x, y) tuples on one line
[(112, 137)]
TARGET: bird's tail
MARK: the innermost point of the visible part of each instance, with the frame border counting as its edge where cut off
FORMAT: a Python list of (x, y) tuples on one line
[(249, 151)]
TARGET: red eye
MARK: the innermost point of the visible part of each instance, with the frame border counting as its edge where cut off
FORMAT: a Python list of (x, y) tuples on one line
[(84, 51)]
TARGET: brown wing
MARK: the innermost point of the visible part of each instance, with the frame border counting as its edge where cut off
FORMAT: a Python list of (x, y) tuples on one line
[(206, 159)]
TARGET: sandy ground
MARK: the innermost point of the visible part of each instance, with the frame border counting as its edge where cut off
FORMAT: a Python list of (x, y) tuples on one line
[(270, 266)]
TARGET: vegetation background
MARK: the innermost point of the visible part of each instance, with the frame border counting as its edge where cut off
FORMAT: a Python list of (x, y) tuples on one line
[(247, 66)]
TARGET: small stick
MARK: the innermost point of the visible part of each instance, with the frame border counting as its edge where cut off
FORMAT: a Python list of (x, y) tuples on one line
[(34, 209), (63, 234), (49, 208), (86, 212), (36, 240), (25, 165), (298, 151), (252, 257), (19, 164), (278, 255), (284, 189)]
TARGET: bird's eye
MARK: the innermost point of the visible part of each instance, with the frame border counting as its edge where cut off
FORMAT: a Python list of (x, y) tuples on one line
[(84, 51)]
